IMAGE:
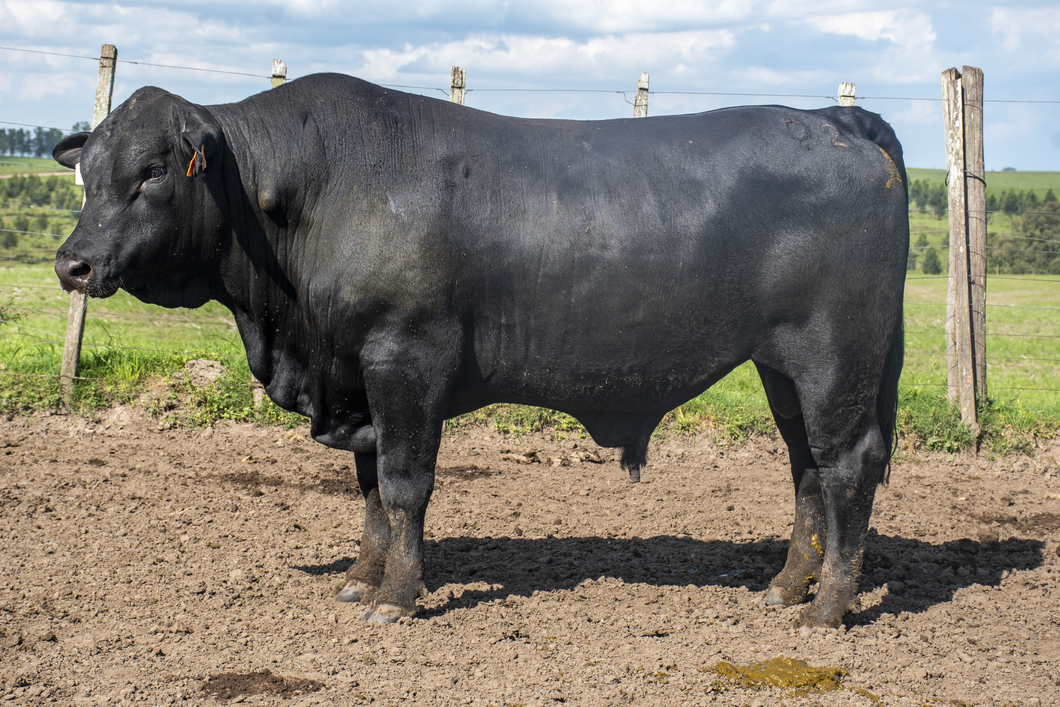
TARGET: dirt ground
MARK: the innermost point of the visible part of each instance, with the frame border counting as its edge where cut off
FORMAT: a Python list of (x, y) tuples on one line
[(197, 566)]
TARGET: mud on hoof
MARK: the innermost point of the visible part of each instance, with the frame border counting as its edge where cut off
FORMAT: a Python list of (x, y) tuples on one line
[(785, 596), (383, 614), (786, 591), (814, 616), (353, 590)]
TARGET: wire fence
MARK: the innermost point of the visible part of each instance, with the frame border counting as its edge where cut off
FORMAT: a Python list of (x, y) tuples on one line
[(925, 339)]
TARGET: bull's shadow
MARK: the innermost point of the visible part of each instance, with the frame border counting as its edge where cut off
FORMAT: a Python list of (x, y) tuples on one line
[(918, 574)]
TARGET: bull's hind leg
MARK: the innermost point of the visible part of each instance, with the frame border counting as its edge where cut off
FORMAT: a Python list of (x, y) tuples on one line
[(367, 573), (851, 456), (808, 537)]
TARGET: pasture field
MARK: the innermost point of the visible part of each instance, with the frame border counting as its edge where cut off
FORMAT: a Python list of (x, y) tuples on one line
[(10, 165), (126, 340), (130, 346), (996, 182)]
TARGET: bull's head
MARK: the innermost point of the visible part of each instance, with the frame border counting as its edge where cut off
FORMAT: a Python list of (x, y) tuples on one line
[(151, 221)]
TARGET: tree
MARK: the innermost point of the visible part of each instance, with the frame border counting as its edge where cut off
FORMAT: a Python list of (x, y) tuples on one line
[(1010, 202), (1049, 197), (44, 140), (938, 199), (916, 193), (1043, 226), (1028, 200), (931, 264)]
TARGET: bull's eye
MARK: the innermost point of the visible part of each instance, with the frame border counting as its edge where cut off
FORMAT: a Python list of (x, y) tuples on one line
[(157, 174)]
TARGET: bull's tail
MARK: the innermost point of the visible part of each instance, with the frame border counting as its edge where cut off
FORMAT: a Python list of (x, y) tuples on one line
[(887, 398)]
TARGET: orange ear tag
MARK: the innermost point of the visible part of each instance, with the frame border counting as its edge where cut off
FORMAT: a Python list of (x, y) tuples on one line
[(197, 156)]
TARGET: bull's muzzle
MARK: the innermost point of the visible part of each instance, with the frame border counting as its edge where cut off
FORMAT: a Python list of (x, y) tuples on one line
[(73, 273)]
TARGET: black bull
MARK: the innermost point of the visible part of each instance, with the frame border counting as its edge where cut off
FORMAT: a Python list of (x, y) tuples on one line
[(393, 260)]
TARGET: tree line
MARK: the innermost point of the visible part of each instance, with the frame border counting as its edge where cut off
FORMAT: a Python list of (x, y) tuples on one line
[(932, 196), (1030, 245), (1033, 248), (17, 193), (33, 143)]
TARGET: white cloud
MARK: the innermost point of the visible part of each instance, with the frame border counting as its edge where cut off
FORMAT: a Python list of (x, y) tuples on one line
[(1029, 31), (32, 19), (902, 27), (606, 16), (524, 56)]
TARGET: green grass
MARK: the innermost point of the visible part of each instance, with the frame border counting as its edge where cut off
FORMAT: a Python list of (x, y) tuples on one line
[(135, 348), (135, 352)]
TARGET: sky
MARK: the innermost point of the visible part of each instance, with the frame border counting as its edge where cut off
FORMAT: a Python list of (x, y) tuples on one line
[(576, 59)]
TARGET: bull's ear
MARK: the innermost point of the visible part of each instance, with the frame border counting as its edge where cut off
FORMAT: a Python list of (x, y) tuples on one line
[(201, 146), (68, 151)]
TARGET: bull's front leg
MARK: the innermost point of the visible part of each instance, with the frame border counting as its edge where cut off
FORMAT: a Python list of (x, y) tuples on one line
[(366, 574), (408, 383)]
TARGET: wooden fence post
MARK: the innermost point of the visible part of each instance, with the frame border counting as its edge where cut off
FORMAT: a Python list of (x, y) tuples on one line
[(75, 321), (975, 203), (640, 103), (279, 72), (457, 83), (846, 94), (960, 349)]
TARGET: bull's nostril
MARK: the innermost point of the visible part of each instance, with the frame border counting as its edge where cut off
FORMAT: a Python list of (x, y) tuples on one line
[(73, 273)]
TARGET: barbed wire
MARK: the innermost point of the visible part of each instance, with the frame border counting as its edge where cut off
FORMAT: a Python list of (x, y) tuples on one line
[(40, 208), (57, 341), (29, 125), (34, 233), (55, 167), (1024, 279), (1005, 335), (139, 63), (941, 212), (551, 90)]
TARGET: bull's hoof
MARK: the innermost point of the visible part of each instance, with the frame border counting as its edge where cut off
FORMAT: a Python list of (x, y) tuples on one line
[(783, 592), (383, 614), (779, 596), (811, 618), (354, 590), (814, 616)]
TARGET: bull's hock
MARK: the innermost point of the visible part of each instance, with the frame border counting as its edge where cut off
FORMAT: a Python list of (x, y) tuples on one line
[(393, 260)]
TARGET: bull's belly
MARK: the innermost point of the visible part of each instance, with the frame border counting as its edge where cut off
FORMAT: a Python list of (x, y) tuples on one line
[(589, 385)]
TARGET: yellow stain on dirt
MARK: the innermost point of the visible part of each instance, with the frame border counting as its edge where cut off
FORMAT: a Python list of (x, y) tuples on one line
[(785, 673)]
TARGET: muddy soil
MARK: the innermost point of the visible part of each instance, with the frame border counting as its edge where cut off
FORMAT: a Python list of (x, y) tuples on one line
[(147, 566)]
